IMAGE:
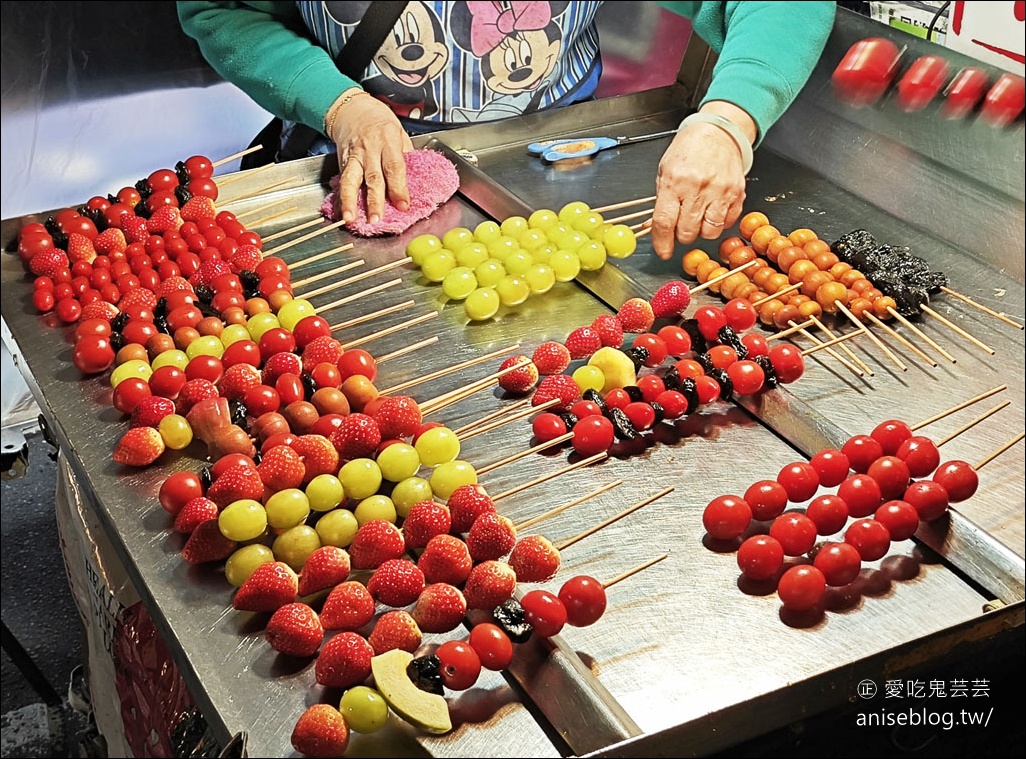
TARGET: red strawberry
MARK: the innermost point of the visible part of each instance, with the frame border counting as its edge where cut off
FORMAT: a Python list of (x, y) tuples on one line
[(395, 629), (279, 364), (609, 329), (320, 350), (173, 284), (321, 731), (349, 606), (551, 358), (440, 608), (245, 258), (46, 262), (491, 537), (195, 512), (561, 386), (99, 309), (198, 208), (636, 315), (207, 544), (425, 520), (110, 242), (375, 543), (281, 468), (519, 380), (163, 219), (150, 410), (582, 342), (467, 503), (194, 391), (295, 630), (318, 454), (358, 436), (237, 379), (324, 568), (137, 296), (135, 228), (209, 271), (396, 582), (672, 299), (140, 446), (397, 416), (534, 559), (234, 484), (490, 583), (80, 248), (445, 559), (344, 661), (271, 586)]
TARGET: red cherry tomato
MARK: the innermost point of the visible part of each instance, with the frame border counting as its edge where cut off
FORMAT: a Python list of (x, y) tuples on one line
[(44, 300), (959, 478), (832, 467), (899, 517), (309, 328), (357, 361), (756, 344), (722, 356), (276, 340), (800, 480), (198, 167), (840, 563), (787, 361), (651, 385), (547, 426), (178, 489), (891, 474), (493, 646), (641, 414), (68, 310), (928, 498), (290, 388), (228, 461), (891, 434), (726, 517), (920, 455), (801, 587), (677, 340), (617, 398), (862, 494), (922, 82), (241, 352), (740, 314), (964, 92), (544, 612), (760, 557), (767, 499), (261, 399), (92, 354), (747, 376), (866, 71), (1004, 101), (204, 367), (583, 408), (167, 381), (708, 389), (710, 319), (862, 450), (829, 513), (584, 599), (869, 537), (326, 374), (128, 393), (592, 435), (674, 404), (206, 188), (459, 664), (795, 531)]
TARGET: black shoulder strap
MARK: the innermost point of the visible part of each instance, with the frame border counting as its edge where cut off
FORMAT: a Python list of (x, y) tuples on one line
[(365, 40)]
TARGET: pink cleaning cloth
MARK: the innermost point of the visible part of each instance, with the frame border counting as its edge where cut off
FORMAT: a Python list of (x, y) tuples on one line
[(431, 178)]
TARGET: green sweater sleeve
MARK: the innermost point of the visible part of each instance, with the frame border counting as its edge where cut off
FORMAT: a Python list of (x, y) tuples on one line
[(260, 47), (767, 50)]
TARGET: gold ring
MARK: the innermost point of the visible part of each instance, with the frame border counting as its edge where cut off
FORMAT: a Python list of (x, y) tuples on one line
[(712, 223)]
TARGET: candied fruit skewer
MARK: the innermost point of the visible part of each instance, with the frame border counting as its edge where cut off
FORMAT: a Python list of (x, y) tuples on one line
[(920, 334), (987, 459), (493, 416), (528, 523), (973, 423), (453, 396), (615, 518), (408, 349), (454, 368), (956, 329), (979, 306), (301, 239), (355, 278), (841, 359), (357, 296), (286, 232), (871, 335), (234, 156), (623, 204), (900, 338), (848, 351), (551, 475), (958, 407), (470, 430), (525, 453)]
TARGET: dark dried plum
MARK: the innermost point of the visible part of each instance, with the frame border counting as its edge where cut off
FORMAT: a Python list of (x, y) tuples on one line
[(725, 383), (623, 427), (144, 188), (182, 173), (509, 615), (205, 293), (698, 341), (118, 323), (728, 336), (160, 322), (426, 673), (671, 379), (237, 412), (706, 362), (309, 385), (117, 341), (569, 418), (771, 380), (183, 195), (660, 412), (250, 283), (161, 308), (634, 393), (206, 478), (858, 240), (594, 396), (638, 355), (690, 392)]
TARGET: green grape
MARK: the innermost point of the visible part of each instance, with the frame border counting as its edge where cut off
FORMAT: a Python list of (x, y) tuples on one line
[(361, 478), (587, 222), (531, 239), (365, 710), (452, 474), (488, 273), (232, 333), (542, 219), (459, 283), (565, 264), (557, 229), (173, 357), (337, 528), (293, 312), (589, 377), (258, 324), (242, 563), (242, 520), (287, 508), (487, 231), (514, 226), (295, 545), (437, 445), (325, 492), (540, 278), (438, 264), (421, 246), (456, 238), (573, 211), (408, 492), (518, 263), (375, 507), (592, 255), (175, 431), (482, 304), (513, 290), (205, 345), (502, 246), (543, 253), (398, 461), (599, 232), (472, 254), (620, 241)]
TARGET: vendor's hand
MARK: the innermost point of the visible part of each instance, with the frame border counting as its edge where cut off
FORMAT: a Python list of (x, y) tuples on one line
[(370, 142), (700, 185)]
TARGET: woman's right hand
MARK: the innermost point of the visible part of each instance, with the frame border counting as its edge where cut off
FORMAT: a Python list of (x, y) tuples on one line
[(370, 141)]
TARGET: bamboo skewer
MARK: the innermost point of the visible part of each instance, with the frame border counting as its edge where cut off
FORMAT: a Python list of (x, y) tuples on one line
[(973, 423), (272, 217), (560, 509), (876, 340), (552, 475), (320, 256), (502, 422), (373, 315), (260, 191), (408, 349), (716, 280), (496, 414), (296, 228), (525, 453), (355, 278), (921, 335), (642, 233), (304, 238), (847, 351), (632, 572), (390, 330), (640, 225), (453, 396), (955, 328), (454, 368), (357, 296), (783, 291), (959, 407), (791, 330), (260, 209), (233, 156), (830, 343), (629, 216), (616, 517), (834, 354), (983, 462), (996, 314), (899, 337), (330, 272), (232, 178), (623, 204)]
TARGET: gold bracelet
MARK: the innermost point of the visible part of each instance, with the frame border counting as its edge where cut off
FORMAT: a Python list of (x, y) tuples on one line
[(329, 123)]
